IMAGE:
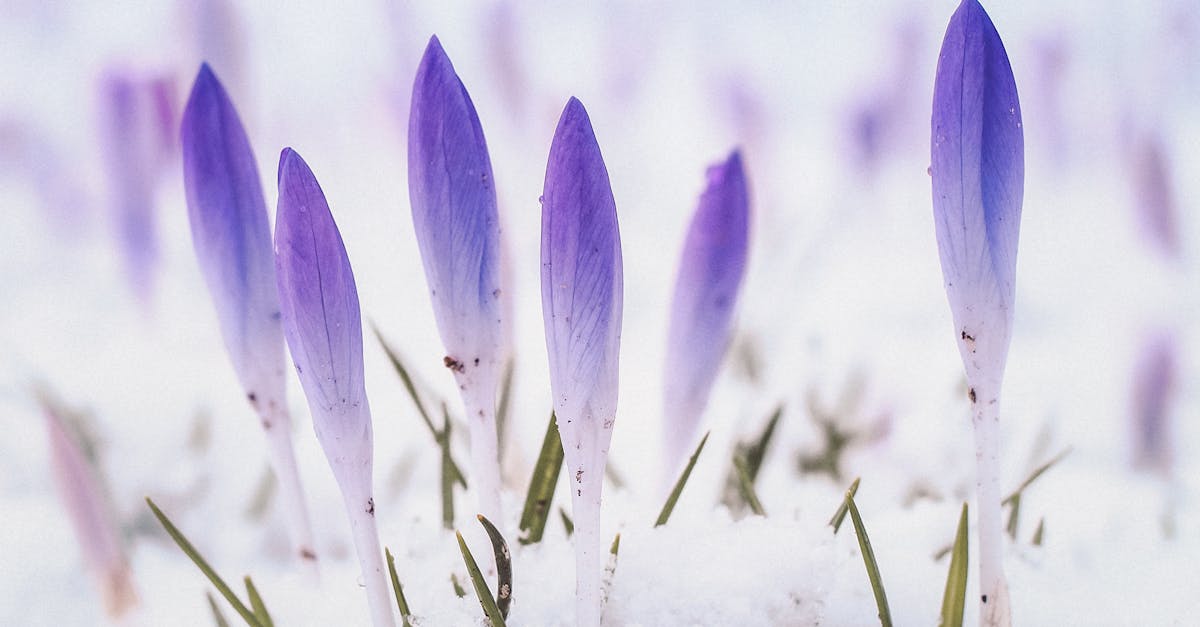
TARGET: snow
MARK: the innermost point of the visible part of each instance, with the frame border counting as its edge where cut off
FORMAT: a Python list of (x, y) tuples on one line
[(842, 282)]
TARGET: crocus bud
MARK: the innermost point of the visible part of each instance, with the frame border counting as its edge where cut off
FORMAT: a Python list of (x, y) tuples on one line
[(83, 496), (233, 245), (978, 172), (1155, 379), (706, 292), (321, 321), (453, 201), (581, 308)]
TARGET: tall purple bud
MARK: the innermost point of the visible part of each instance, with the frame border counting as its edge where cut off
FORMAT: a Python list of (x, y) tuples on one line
[(581, 308), (706, 292), (453, 201), (233, 245), (978, 172), (323, 326)]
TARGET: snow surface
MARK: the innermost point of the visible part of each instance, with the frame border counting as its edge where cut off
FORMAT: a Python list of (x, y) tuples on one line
[(843, 285)]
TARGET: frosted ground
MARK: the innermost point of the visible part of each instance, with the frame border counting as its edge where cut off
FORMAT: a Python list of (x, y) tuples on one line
[(843, 292)]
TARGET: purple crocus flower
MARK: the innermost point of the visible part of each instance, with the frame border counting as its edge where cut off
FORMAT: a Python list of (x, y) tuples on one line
[(706, 291), (581, 308), (323, 326), (453, 200), (978, 172), (233, 245), (1155, 378), (87, 509)]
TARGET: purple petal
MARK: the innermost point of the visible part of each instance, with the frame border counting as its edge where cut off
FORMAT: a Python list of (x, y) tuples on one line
[(454, 214), (321, 320), (1155, 379), (581, 307), (233, 239), (706, 291), (581, 272), (978, 173)]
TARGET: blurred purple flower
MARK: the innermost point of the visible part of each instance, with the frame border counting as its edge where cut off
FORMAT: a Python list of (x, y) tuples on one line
[(706, 291), (1157, 213), (1155, 377), (232, 239), (453, 200), (321, 321), (87, 508), (978, 172), (581, 308)]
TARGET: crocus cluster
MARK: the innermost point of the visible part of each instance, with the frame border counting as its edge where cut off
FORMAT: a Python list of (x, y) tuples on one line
[(978, 173)]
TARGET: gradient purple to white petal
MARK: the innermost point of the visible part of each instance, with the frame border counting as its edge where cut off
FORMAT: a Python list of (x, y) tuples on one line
[(702, 310), (582, 289), (453, 199)]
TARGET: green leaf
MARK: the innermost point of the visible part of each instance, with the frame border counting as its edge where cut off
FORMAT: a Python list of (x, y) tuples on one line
[(567, 523), (504, 575), (481, 588), (218, 617), (1039, 533), (256, 604), (864, 545), (502, 405), (616, 545), (542, 485), (442, 438), (200, 563), (840, 515), (1033, 476), (754, 452), (955, 597), (1014, 511), (401, 602), (448, 472), (458, 589), (673, 498), (746, 486)]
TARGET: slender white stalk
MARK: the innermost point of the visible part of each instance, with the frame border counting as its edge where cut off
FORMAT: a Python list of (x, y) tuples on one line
[(479, 401), (994, 609), (361, 511), (589, 554), (291, 489)]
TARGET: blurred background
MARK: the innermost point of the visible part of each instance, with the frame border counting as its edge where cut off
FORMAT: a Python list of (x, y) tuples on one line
[(102, 306)]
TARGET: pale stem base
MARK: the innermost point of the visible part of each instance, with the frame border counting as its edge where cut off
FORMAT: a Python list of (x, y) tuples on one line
[(361, 511), (479, 400), (589, 554), (994, 608), (291, 491)]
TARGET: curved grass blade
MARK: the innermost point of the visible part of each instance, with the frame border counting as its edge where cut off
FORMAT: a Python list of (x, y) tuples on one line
[(504, 576), (955, 597), (746, 486), (864, 545), (753, 452), (256, 604), (449, 470), (458, 589), (673, 498), (411, 388), (1033, 476), (542, 485), (840, 515), (218, 617), (568, 524), (490, 609), (401, 602), (202, 564)]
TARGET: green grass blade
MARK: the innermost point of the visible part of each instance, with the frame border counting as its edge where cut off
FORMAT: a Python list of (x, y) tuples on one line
[(401, 602), (411, 388), (503, 404), (202, 564), (481, 588), (955, 597), (218, 617), (1039, 533), (568, 524), (542, 485), (840, 515), (616, 545), (1033, 476), (504, 574), (1014, 512), (448, 472), (864, 545), (458, 589), (757, 451), (257, 605), (746, 486), (673, 498)]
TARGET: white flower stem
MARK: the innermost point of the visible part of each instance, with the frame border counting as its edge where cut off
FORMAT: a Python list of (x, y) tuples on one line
[(291, 490), (479, 400), (994, 608), (585, 506), (361, 511)]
